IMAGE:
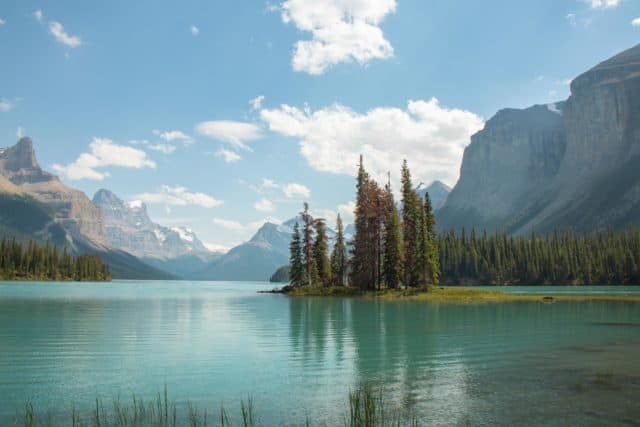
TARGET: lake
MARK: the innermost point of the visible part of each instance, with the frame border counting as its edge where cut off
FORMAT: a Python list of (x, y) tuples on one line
[(575, 363)]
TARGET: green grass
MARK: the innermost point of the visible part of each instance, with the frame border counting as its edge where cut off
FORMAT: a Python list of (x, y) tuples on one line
[(365, 408), (449, 295)]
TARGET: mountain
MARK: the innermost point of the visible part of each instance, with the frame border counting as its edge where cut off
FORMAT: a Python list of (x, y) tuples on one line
[(36, 205), (438, 192), (254, 260), (128, 227), (564, 165)]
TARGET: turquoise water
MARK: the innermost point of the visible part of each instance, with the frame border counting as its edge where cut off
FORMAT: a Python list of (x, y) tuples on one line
[(567, 363)]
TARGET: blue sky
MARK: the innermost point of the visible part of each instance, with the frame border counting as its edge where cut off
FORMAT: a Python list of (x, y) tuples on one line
[(153, 99)]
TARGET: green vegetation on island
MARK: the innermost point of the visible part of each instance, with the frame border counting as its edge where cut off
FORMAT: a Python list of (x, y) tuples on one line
[(387, 251), (37, 262)]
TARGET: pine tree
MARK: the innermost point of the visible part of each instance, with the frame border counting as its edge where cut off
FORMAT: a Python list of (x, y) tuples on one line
[(339, 256), (308, 260), (320, 253), (296, 274), (411, 219), (360, 245), (392, 242)]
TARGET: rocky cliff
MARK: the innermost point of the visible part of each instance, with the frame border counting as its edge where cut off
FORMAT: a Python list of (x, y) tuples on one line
[(71, 208), (564, 165)]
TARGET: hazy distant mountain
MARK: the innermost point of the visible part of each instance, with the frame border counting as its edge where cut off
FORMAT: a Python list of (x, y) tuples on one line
[(438, 192), (254, 260), (36, 205), (567, 165), (258, 258)]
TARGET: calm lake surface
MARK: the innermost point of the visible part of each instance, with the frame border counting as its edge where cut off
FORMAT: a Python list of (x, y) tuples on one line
[(569, 363)]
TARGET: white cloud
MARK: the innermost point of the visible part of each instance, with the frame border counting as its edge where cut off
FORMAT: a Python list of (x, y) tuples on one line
[(194, 30), (269, 183), (227, 155), (431, 137), (264, 205), (232, 132), (341, 31), (104, 153), (229, 224), (256, 103), (58, 32), (38, 14), (294, 190), (20, 132), (571, 18), (636, 22), (539, 78), (603, 4), (347, 212), (162, 148), (6, 105), (179, 196), (214, 247), (2, 21), (173, 135)]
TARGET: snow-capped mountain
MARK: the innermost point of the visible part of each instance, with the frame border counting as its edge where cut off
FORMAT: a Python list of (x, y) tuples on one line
[(128, 227)]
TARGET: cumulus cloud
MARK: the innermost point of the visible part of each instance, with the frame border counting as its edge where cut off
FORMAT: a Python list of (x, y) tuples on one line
[(179, 196), (264, 205), (227, 155), (341, 31), (173, 135), (256, 103), (103, 153), (431, 137), (38, 14), (294, 190), (603, 4), (2, 21), (194, 30), (61, 36), (345, 210), (229, 131), (636, 22)]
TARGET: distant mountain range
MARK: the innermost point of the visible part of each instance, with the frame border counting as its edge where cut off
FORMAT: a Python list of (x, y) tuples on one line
[(571, 164), (128, 227)]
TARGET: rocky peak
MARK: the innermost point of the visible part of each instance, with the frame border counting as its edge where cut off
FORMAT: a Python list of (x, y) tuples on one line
[(19, 164), (623, 66), (107, 197)]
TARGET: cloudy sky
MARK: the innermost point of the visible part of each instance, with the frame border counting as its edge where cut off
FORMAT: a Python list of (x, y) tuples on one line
[(221, 114)]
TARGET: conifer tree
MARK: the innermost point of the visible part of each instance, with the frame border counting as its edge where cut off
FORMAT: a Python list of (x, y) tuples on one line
[(431, 243), (320, 253), (308, 260), (296, 272), (339, 256), (360, 243), (392, 266), (411, 218)]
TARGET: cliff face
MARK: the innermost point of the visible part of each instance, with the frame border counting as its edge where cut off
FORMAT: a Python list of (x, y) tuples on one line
[(517, 154), (71, 208), (571, 166)]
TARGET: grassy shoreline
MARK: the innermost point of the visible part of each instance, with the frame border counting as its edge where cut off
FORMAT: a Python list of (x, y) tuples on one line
[(448, 295)]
